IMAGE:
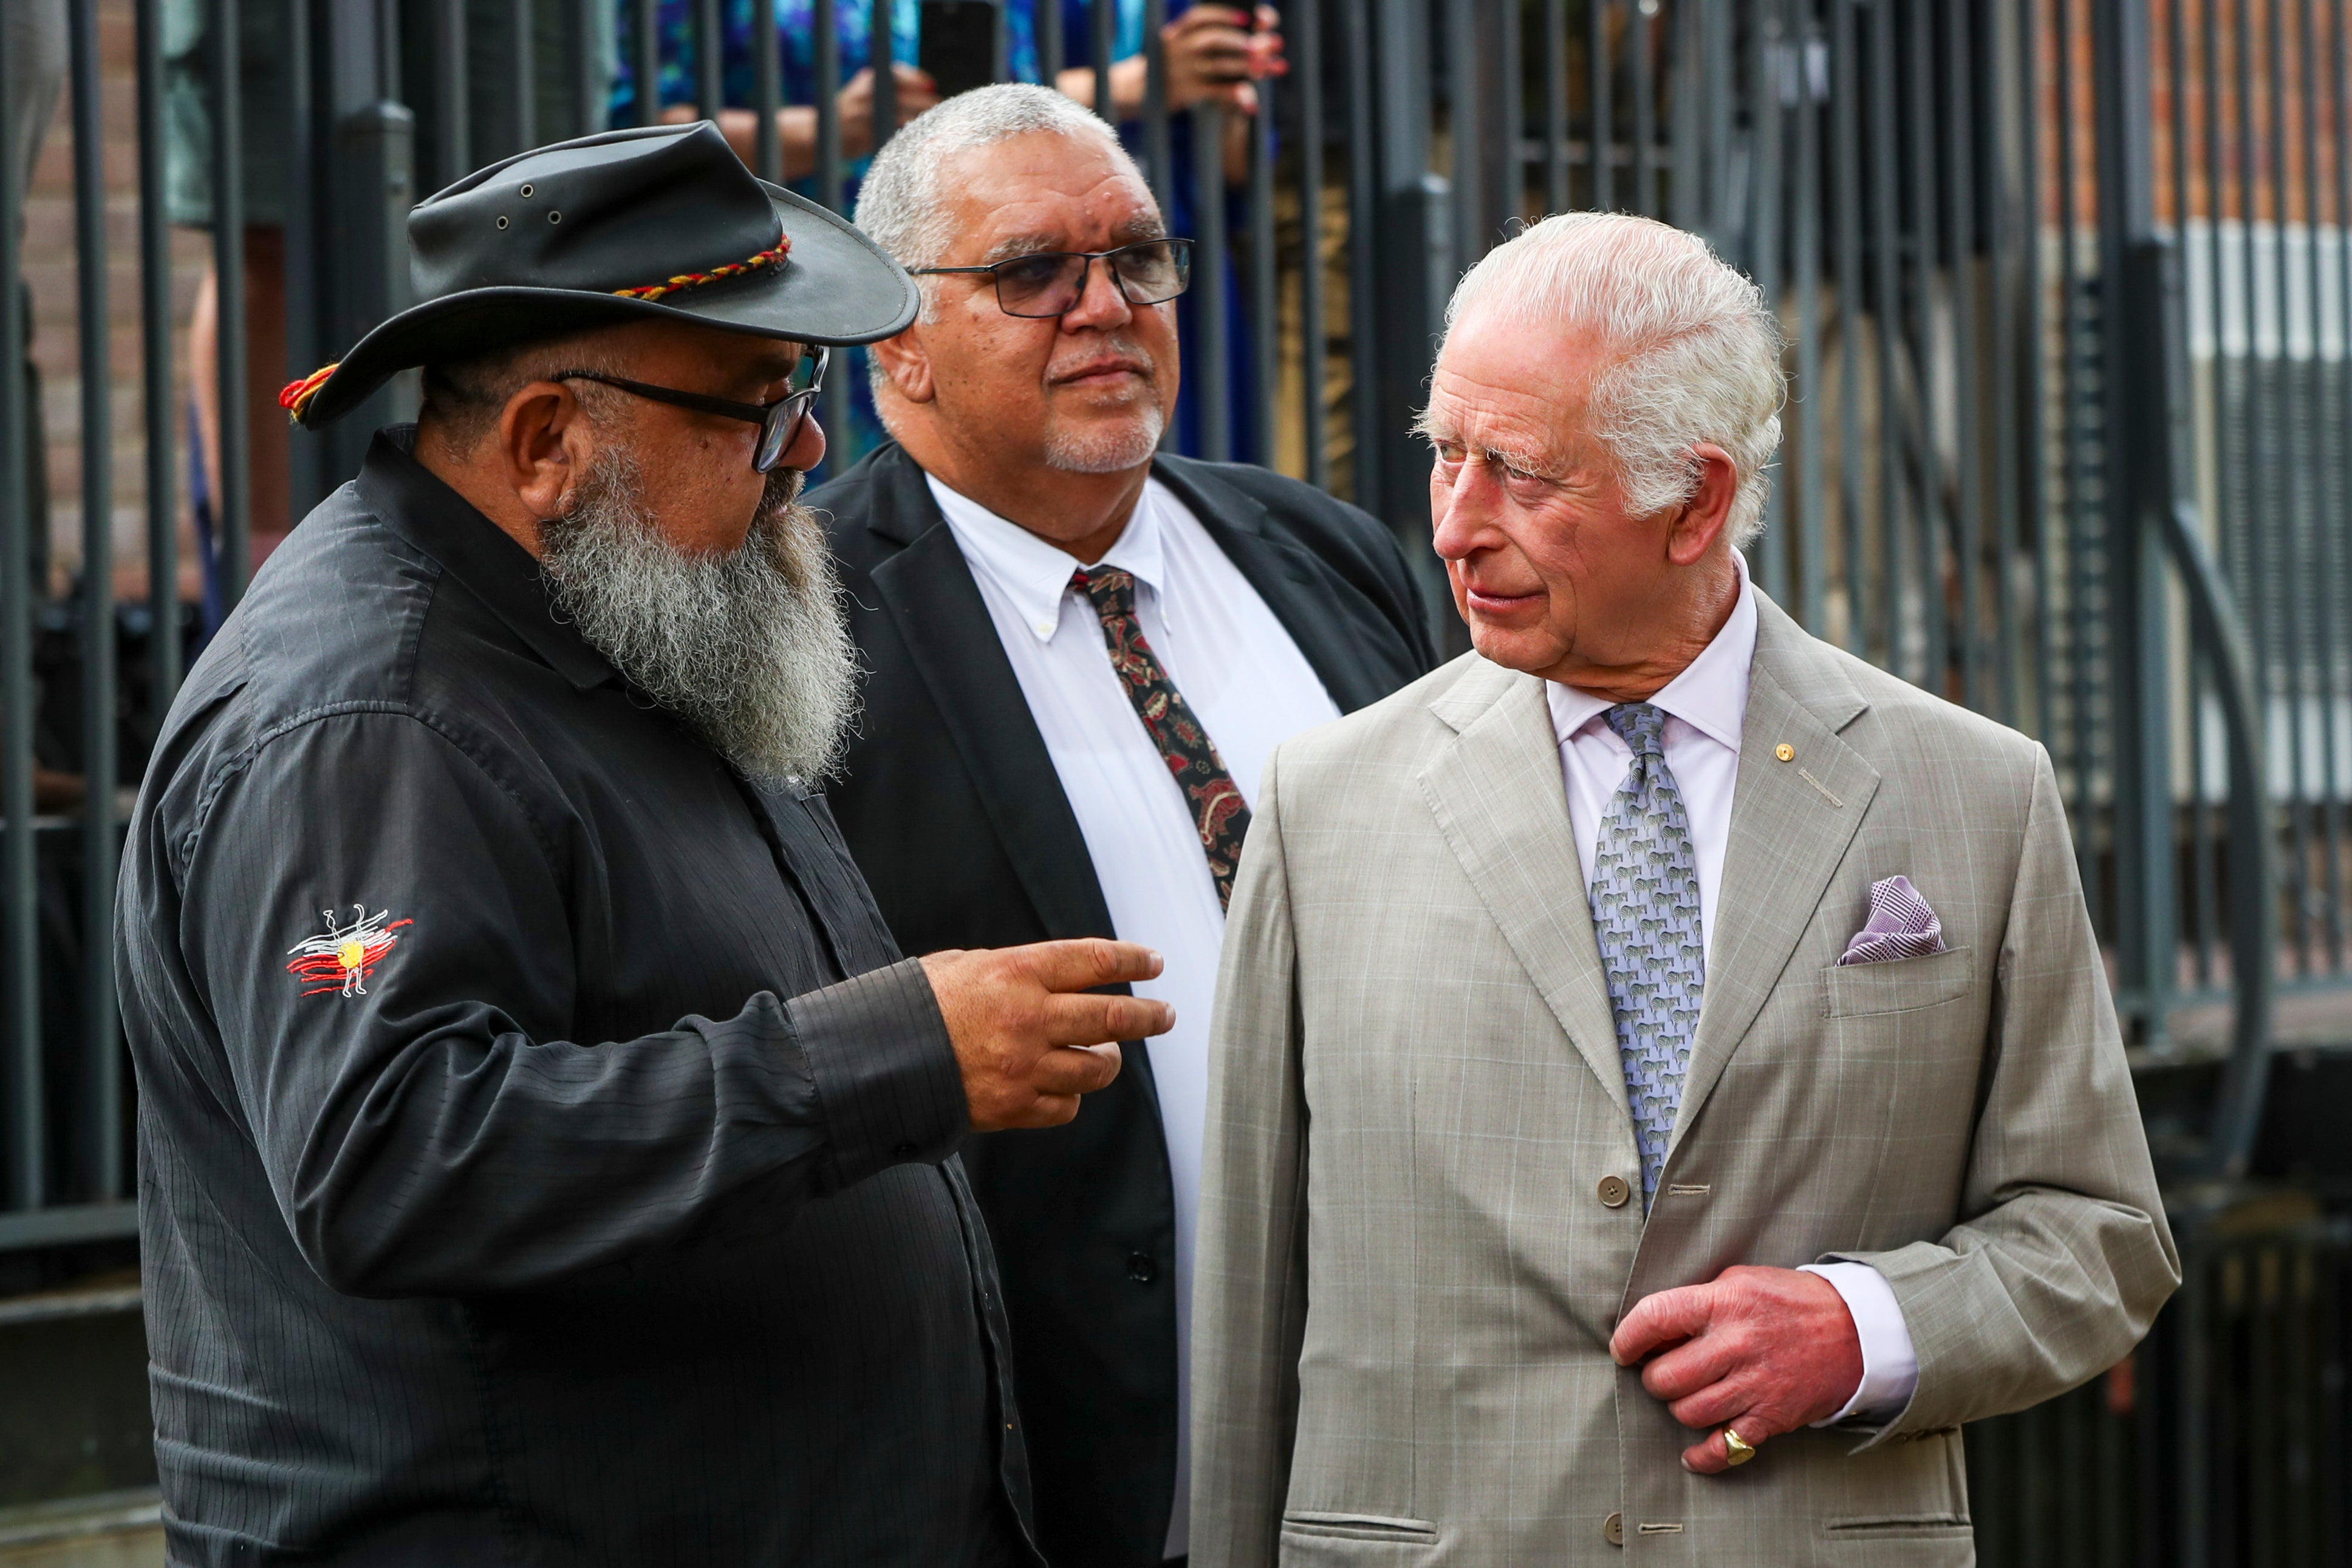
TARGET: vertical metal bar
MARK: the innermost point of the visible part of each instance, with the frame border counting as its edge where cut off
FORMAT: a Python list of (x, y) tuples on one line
[(1602, 143), (882, 60), (2315, 673), (1920, 97), (1469, 158), (1846, 183), (2072, 376), (1307, 22), (2037, 427), (588, 84), (452, 112), (1812, 591), (1158, 153), (1264, 295), (1886, 246), (1765, 201), (1506, 126), (1209, 294), (1102, 33), (826, 36), (230, 487), (646, 59), (1554, 25), (2337, 568), (1363, 314), (156, 365), (101, 1117), (2262, 593), (767, 93), (1047, 17), (1638, 22), (2005, 182), (522, 33), (27, 1152), (1960, 202), (709, 59), (305, 459)]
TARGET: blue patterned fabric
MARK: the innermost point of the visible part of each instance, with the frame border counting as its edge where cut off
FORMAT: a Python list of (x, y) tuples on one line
[(1645, 916)]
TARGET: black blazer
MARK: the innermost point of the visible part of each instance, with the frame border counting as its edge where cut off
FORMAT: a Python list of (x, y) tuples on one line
[(952, 806)]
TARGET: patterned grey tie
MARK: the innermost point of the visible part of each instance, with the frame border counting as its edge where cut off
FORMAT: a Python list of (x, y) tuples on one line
[(1645, 915)]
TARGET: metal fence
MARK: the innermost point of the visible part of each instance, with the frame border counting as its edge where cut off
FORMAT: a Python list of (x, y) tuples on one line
[(2068, 290)]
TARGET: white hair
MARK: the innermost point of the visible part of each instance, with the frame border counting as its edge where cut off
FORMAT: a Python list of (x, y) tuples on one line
[(901, 205), (1691, 352)]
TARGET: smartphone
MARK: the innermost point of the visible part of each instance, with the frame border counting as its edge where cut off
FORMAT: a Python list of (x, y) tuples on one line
[(958, 44)]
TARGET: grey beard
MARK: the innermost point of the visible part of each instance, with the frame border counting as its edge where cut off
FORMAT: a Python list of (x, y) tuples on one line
[(750, 648), (1111, 450)]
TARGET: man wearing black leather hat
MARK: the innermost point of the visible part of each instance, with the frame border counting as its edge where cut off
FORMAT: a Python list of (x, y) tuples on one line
[(546, 1154)]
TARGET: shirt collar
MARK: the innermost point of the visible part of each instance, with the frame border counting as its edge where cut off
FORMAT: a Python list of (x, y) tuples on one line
[(1711, 692), (1033, 573), (414, 503)]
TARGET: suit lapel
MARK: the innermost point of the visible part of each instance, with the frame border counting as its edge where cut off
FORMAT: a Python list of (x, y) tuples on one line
[(1295, 586), (1790, 824), (928, 590), (1498, 798)]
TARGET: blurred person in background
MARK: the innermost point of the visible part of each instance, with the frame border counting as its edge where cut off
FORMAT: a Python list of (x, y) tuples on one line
[(1079, 651), (1216, 54)]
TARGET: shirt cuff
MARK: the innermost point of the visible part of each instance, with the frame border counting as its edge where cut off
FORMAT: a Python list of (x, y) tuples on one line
[(1890, 1368), (885, 1070)]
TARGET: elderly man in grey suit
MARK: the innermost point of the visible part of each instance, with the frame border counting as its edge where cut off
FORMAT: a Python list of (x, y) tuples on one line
[(1656, 1041)]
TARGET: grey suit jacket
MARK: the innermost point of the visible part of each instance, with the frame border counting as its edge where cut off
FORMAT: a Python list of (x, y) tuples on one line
[(1407, 1276)]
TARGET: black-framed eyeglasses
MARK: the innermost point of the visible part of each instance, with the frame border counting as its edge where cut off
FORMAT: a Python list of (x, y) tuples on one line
[(1051, 283), (779, 421)]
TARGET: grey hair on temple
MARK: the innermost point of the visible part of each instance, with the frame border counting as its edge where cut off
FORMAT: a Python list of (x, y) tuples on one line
[(1691, 352), (902, 206)]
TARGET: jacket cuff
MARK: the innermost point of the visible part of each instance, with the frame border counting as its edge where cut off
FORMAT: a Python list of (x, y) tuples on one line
[(1890, 1368), (886, 1073)]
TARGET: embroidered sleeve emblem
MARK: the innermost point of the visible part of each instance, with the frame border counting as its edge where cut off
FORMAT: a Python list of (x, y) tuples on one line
[(341, 958)]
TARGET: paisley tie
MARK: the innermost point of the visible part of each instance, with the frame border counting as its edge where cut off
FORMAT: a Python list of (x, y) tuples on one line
[(1645, 915), (1218, 811)]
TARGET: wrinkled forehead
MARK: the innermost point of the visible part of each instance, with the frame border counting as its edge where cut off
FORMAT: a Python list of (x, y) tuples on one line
[(1513, 385), (1045, 190)]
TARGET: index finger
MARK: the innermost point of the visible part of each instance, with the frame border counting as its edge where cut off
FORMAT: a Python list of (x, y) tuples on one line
[(1083, 962), (1662, 1319)]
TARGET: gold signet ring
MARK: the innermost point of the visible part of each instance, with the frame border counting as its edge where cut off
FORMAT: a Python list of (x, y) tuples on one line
[(1741, 1449)]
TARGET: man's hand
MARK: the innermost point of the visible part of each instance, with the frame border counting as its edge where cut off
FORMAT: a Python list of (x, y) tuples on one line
[(1215, 52), (1765, 1351), (1027, 1046)]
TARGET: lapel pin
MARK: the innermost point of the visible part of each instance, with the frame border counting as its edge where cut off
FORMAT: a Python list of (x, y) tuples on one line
[(1785, 752)]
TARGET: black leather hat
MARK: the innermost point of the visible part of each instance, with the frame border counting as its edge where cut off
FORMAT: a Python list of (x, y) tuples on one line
[(660, 223)]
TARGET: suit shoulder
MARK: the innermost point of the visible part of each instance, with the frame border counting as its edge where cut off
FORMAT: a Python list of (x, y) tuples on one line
[(1916, 731)]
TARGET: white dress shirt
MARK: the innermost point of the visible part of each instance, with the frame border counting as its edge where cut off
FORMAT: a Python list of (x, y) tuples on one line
[(1250, 687), (1706, 708)]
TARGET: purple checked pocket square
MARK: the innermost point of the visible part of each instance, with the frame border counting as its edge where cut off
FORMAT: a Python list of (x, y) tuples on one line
[(1901, 925)]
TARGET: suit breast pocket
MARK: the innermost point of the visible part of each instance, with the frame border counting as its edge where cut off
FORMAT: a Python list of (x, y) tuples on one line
[(1901, 985)]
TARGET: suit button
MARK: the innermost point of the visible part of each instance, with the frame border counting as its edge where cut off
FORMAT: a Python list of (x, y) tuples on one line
[(1614, 1191), (1142, 1268), (1613, 1530)]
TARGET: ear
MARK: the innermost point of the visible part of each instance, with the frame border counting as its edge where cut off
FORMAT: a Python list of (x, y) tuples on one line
[(1703, 518), (907, 363), (544, 444)]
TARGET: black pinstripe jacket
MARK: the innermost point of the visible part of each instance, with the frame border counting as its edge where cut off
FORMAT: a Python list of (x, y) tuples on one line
[(470, 1237)]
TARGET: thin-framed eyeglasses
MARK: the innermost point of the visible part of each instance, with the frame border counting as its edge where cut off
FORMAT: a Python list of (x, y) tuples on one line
[(1051, 283), (779, 421)]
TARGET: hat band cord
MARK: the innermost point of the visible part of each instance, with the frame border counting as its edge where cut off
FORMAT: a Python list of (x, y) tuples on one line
[(297, 395)]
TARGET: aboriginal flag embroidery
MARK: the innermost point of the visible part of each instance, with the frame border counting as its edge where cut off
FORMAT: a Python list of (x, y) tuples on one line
[(342, 957)]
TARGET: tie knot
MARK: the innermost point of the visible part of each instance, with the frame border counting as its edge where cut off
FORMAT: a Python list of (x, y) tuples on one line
[(1640, 726), (1111, 589)]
